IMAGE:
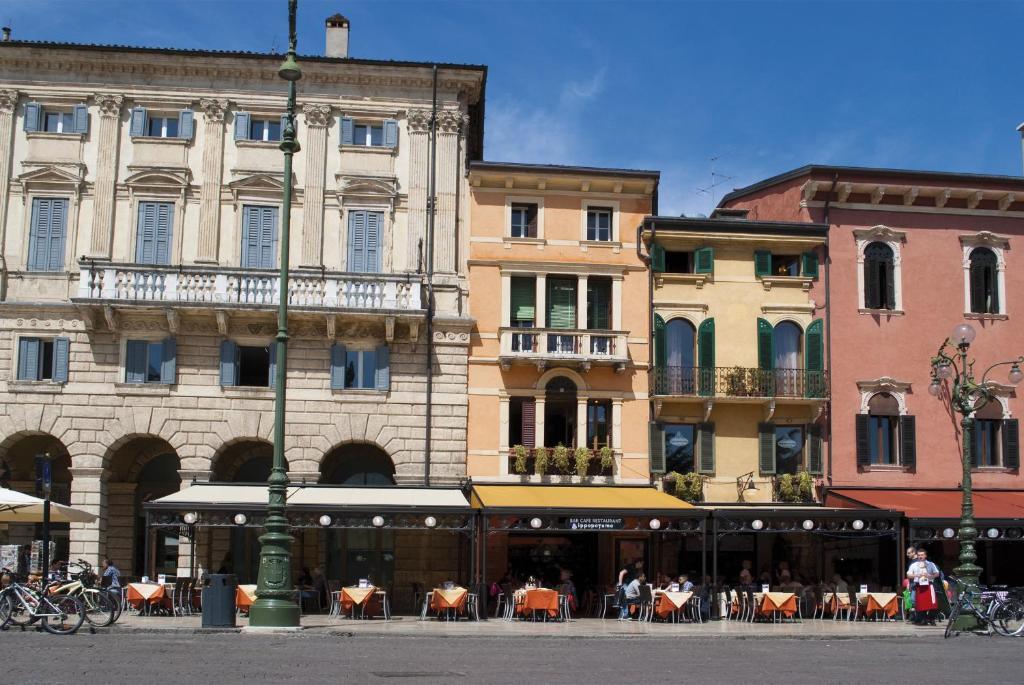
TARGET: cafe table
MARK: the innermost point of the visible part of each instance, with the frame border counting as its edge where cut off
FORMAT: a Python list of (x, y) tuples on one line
[(668, 603), (143, 595), (449, 601), (879, 603), (530, 601), (777, 603), (368, 599)]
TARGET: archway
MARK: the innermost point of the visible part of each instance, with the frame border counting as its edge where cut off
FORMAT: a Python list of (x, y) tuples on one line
[(560, 412), (357, 464)]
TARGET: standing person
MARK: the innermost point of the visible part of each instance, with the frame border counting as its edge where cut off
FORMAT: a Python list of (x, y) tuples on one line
[(921, 573), (623, 579)]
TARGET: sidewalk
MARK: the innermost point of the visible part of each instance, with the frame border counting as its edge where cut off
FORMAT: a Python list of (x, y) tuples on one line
[(585, 628)]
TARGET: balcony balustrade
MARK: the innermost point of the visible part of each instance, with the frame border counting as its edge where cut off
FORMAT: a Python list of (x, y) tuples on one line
[(566, 345), (738, 382)]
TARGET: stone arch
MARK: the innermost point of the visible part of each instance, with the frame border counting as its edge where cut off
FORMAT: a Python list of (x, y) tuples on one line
[(358, 428), (243, 460), (134, 422), (19, 452), (357, 463), (542, 382), (24, 419)]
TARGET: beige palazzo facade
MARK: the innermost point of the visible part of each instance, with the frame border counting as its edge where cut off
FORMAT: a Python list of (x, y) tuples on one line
[(140, 210)]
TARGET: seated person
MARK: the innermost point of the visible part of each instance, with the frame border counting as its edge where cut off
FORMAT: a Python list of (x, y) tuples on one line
[(684, 583), (568, 587), (632, 595), (787, 584), (746, 580)]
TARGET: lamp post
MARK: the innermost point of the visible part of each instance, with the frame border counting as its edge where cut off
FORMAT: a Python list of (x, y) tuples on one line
[(966, 397), (274, 606)]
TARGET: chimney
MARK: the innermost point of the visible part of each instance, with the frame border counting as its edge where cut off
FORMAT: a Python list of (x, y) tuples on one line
[(337, 36), (6, 31)]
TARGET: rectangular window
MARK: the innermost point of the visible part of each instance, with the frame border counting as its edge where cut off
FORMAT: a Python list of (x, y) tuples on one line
[(785, 265), (371, 135), (46, 234), (254, 366), (265, 129), (599, 303), (259, 237), (679, 447), (143, 361), (678, 262), (524, 220), (153, 234), (986, 442), (364, 238), (599, 421), (561, 303), (58, 122), (522, 301), (789, 449), (43, 359), (599, 224), (162, 126), (882, 431), (361, 369)]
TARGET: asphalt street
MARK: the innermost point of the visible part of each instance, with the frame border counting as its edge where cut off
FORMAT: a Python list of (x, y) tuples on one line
[(227, 659)]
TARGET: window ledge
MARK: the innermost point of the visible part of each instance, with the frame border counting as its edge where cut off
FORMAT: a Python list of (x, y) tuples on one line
[(685, 279), (881, 312), (36, 387), (769, 282), (160, 140), (266, 144), (986, 317), (615, 244), (891, 468), (359, 394), (992, 469), (509, 240), (372, 149), (244, 392), (49, 135), (143, 389)]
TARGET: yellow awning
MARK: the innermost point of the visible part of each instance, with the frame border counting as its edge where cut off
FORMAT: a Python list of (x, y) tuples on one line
[(574, 497)]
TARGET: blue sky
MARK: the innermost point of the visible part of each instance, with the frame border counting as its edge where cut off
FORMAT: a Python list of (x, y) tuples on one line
[(764, 86)]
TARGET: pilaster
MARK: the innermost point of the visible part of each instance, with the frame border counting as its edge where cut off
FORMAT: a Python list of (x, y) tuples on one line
[(317, 119), (419, 173), (89, 493), (213, 169), (108, 138), (449, 126), (8, 102)]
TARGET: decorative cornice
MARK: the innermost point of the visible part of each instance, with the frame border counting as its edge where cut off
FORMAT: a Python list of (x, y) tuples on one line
[(8, 100), (213, 109), (884, 384), (317, 115), (984, 239), (883, 233), (109, 104)]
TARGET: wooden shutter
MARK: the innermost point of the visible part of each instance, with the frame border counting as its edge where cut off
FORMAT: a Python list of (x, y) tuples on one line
[(268, 236), (765, 345), (137, 125), (872, 284), (814, 357), (390, 133), (357, 241), (561, 303), (977, 282), (908, 441), (704, 260), (241, 126), (1011, 444), (656, 447), (657, 258), (374, 224), (228, 363), (272, 366), (58, 227), (145, 248), (660, 343), (338, 356), (135, 361), (347, 128), (599, 293), (33, 117), (383, 373), (890, 285), (28, 359), (81, 119), (250, 237), (162, 235), (762, 263), (706, 442), (529, 423), (186, 123), (766, 448), (814, 456), (810, 264), (46, 234), (706, 357), (863, 439), (168, 361), (523, 299), (61, 358)]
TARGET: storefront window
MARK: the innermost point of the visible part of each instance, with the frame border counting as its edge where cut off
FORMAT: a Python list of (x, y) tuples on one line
[(789, 449), (679, 439)]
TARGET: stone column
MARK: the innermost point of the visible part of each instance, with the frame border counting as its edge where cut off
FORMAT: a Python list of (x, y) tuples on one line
[(89, 493), (449, 125), (318, 119), (108, 139), (581, 302), (538, 423), (8, 103), (581, 422), (419, 175), (213, 169)]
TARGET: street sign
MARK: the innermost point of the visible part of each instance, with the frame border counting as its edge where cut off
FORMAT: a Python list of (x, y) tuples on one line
[(595, 523)]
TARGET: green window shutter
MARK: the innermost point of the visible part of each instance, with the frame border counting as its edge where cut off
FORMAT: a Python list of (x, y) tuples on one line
[(656, 447), (704, 260), (1011, 444), (706, 442), (977, 281), (814, 457), (660, 343), (863, 440), (765, 346), (890, 286), (766, 448), (561, 303), (814, 356), (762, 263), (524, 299), (810, 264), (599, 297), (908, 441), (657, 258), (706, 357)]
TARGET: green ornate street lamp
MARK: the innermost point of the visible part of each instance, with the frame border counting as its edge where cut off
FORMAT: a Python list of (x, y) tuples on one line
[(275, 606), (966, 397)]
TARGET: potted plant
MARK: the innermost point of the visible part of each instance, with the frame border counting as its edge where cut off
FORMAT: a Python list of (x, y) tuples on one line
[(540, 461), (582, 461), (805, 486), (689, 487), (786, 488), (736, 382), (607, 457), (560, 458), (519, 462)]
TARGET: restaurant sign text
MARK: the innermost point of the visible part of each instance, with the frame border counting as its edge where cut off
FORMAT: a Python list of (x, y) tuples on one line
[(595, 523)]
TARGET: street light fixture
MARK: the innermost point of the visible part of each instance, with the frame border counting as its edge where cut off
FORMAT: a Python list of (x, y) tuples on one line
[(966, 397), (274, 606)]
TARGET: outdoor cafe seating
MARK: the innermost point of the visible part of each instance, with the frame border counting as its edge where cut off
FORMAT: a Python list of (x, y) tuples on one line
[(450, 602)]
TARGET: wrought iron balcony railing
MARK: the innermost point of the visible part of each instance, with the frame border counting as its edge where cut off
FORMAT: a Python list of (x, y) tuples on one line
[(738, 381)]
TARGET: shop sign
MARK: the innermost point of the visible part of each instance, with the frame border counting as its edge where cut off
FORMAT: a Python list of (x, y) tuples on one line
[(595, 523)]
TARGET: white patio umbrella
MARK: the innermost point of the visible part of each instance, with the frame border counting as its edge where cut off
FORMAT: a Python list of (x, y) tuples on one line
[(17, 507)]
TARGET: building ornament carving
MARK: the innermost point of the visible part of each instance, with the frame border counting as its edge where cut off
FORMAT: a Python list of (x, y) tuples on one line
[(449, 121), (419, 120), (109, 104), (317, 115), (8, 100), (898, 389), (214, 109)]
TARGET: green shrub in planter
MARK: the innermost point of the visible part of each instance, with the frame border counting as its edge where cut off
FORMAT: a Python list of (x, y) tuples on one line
[(607, 458), (582, 461), (560, 458), (540, 461), (519, 463)]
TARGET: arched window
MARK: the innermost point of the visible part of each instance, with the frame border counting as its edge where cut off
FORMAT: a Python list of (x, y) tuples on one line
[(681, 341), (879, 279), (560, 412), (984, 283), (883, 429), (786, 341)]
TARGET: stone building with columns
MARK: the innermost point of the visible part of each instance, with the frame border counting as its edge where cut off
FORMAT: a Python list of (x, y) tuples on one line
[(140, 199)]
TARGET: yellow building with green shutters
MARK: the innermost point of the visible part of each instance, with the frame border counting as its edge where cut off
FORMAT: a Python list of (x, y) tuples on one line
[(739, 385)]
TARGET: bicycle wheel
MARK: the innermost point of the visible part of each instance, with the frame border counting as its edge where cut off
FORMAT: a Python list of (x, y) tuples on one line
[(954, 613), (1007, 617), (118, 605), (100, 609), (13, 611), (72, 615)]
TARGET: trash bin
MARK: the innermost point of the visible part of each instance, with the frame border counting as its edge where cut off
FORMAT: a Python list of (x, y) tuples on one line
[(218, 597)]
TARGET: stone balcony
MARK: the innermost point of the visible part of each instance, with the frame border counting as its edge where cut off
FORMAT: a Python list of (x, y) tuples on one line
[(563, 347)]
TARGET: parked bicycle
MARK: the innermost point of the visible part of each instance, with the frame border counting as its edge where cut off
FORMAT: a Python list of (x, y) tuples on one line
[(22, 605), (101, 608), (995, 610)]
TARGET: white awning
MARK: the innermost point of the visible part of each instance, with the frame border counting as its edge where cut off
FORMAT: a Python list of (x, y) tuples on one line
[(220, 494)]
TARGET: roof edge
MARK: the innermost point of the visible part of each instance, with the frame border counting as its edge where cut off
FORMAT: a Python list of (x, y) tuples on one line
[(520, 167)]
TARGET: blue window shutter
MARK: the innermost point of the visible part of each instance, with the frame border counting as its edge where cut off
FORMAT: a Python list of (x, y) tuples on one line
[(168, 360), (58, 227), (228, 363), (390, 133), (266, 227), (356, 241), (347, 131), (39, 234), (61, 356), (33, 116), (162, 237), (145, 249), (135, 361), (249, 247), (81, 118), (374, 221), (338, 352), (138, 122), (186, 123), (28, 359), (383, 368), (241, 126), (272, 349)]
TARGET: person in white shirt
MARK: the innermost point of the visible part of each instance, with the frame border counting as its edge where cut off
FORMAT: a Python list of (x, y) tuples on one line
[(921, 574)]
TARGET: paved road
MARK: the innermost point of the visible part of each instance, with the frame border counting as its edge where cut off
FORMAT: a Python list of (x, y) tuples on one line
[(182, 659)]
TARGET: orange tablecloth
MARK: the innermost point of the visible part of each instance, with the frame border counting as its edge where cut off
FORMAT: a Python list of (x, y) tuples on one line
[(783, 602), (245, 595), (668, 602), (449, 599), (836, 599), (356, 596), (881, 601), (539, 599)]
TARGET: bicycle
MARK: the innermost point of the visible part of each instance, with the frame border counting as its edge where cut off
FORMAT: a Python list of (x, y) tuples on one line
[(22, 605), (101, 609), (994, 611)]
